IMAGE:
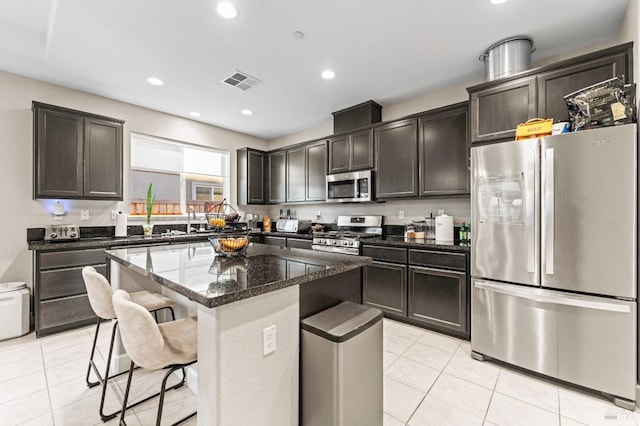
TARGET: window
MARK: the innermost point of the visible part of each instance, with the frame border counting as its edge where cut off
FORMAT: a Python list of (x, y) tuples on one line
[(183, 176)]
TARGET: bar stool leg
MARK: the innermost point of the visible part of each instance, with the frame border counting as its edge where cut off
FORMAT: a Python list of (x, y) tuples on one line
[(126, 395), (91, 364), (163, 390)]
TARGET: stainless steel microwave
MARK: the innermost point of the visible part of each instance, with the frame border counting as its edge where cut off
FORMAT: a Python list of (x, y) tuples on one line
[(353, 187)]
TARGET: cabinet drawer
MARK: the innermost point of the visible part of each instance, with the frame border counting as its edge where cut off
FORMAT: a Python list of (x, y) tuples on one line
[(438, 259), (299, 243), (63, 259), (64, 282), (275, 241), (386, 254), (63, 312)]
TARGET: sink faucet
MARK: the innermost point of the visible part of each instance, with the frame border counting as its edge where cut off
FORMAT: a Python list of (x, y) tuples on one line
[(190, 212)]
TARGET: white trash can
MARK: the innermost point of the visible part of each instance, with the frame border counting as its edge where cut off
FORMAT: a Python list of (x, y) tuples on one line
[(14, 310)]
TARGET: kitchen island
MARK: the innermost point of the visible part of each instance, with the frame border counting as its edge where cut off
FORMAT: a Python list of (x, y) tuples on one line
[(235, 300)]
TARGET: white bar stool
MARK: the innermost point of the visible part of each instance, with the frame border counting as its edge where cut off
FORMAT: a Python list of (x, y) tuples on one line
[(172, 345), (100, 293)]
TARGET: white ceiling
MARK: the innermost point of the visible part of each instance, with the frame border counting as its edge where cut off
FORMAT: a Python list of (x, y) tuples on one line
[(380, 49)]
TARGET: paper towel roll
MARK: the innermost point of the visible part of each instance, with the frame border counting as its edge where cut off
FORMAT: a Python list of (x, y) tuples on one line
[(444, 228), (121, 225)]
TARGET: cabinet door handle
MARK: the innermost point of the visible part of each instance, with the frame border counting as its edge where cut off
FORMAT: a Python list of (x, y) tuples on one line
[(548, 210)]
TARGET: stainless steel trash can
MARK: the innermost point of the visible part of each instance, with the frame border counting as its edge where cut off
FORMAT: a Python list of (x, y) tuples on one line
[(341, 367)]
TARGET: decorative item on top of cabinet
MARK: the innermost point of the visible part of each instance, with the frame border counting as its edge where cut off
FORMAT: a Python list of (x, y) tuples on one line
[(277, 172), (251, 176), (444, 150), (77, 155), (351, 152), (396, 146), (498, 106)]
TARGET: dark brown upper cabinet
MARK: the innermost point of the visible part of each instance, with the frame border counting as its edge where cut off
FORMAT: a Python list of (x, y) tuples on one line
[(315, 183), (554, 85), (496, 111), (444, 151), (396, 146), (251, 176), (296, 171), (77, 155), (277, 172), (351, 152), (498, 106)]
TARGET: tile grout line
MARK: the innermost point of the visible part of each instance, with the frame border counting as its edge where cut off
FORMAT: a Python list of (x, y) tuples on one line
[(430, 387)]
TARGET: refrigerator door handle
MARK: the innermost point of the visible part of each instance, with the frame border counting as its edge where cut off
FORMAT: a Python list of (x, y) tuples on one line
[(548, 220), (530, 210), (547, 297)]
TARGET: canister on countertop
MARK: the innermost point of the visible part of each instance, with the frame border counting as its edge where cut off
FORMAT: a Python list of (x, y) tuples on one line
[(266, 224), (444, 228), (420, 227), (430, 227)]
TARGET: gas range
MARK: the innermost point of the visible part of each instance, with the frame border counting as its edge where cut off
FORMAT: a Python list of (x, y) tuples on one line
[(351, 229)]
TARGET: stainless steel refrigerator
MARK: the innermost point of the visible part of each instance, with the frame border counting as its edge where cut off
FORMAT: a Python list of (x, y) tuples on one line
[(553, 258)]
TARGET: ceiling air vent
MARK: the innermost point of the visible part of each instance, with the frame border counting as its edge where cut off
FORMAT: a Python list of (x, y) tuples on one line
[(241, 80)]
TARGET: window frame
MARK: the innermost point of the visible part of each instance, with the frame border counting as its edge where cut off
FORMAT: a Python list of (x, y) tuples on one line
[(226, 177)]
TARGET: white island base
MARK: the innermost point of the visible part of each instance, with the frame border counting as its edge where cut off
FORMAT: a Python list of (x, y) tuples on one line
[(236, 383)]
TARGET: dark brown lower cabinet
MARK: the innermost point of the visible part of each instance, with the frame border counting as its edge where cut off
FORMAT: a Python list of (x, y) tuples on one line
[(428, 288), (274, 241), (385, 287), (438, 298), (299, 243), (60, 296)]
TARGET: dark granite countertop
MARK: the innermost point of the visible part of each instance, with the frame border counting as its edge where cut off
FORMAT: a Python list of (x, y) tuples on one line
[(194, 270), (105, 242), (400, 241)]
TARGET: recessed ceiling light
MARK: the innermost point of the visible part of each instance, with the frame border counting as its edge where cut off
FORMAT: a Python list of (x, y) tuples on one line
[(246, 112), (498, 1), (194, 114), (226, 10), (328, 74), (155, 81)]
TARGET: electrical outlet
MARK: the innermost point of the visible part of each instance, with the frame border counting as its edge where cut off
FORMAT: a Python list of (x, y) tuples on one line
[(114, 214), (401, 214), (84, 214), (269, 340)]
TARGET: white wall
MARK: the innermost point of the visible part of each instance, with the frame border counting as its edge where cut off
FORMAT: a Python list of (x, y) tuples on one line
[(20, 211)]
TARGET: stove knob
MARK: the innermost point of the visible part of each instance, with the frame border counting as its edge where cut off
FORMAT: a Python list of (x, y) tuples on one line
[(53, 235), (349, 243), (334, 242), (73, 235)]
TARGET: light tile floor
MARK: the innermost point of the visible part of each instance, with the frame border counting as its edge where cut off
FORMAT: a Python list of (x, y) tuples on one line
[(429, 379)]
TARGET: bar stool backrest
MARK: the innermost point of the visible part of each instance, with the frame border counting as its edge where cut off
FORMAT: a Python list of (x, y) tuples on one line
[(140, 334), (99, 292)]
